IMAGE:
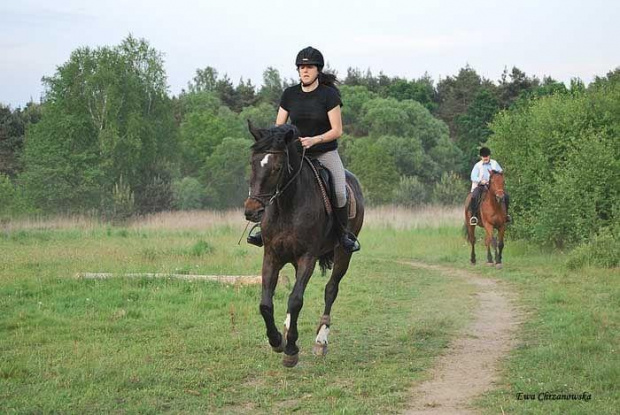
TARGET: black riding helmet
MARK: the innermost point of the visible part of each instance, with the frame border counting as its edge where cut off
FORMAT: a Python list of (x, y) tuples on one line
[(310, 56), (485, 152)]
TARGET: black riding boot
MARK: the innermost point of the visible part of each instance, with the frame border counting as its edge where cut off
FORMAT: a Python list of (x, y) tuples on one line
[(257, 238), (347, 239), (473, 206)]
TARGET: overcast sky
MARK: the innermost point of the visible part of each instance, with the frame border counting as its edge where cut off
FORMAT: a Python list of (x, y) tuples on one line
[(562, 39)]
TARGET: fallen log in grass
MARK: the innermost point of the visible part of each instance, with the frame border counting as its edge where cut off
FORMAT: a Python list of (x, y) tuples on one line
[(224, 279)]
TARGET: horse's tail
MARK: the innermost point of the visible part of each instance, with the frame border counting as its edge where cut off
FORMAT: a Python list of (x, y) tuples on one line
[(326, 262)]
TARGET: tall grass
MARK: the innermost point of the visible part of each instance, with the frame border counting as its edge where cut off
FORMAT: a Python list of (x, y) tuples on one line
[(396, 217)]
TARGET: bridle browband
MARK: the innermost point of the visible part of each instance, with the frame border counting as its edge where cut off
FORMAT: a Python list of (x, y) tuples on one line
[(266, 199)]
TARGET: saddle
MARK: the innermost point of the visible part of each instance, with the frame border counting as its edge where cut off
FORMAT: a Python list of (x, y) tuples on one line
[(325, 180)]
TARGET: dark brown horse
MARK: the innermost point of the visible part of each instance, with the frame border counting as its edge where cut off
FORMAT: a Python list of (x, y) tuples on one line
[(492, 216), (286, 199)]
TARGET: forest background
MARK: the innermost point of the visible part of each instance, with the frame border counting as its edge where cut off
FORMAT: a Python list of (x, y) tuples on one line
[(108, 140)]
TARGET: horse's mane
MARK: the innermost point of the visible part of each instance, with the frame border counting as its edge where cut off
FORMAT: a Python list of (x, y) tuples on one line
[(275, 138)]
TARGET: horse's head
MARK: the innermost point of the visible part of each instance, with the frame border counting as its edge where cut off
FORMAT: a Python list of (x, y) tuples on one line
[(496, 185), (271, 166)]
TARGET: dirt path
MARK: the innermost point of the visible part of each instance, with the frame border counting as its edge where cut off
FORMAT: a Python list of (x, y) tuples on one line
[(468, 367)]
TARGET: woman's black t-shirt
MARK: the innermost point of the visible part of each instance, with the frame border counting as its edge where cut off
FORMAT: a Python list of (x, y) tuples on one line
[(308, 112)]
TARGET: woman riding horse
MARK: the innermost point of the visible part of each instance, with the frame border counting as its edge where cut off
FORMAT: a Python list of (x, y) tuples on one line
[(286, 198), (313, 106)]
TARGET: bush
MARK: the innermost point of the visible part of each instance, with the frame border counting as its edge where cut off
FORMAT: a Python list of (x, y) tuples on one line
[(123, 203), (450, 190), (562, 158), (603, 251), (188, 194), (12, 201), (410, 192)]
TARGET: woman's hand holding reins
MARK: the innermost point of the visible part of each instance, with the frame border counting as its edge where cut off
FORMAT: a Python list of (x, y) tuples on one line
[(307, 142)]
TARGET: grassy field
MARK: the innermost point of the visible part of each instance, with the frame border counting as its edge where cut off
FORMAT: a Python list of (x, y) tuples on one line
[(164, 345)]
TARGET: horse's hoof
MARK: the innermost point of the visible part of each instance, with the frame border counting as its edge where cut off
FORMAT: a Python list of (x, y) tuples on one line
[(490, 264), (280, 348), (499, 266), (290, 360), (319, 349), (472, 263)]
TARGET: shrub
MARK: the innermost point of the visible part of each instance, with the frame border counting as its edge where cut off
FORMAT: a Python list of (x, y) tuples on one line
[(450, 190), (603, 251), (188, 194), (410, 192)]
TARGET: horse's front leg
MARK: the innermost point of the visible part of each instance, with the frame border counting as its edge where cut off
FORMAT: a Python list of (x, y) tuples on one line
[(304, 268), (488, 240), (500, 246), (270, 271), (471, 237)]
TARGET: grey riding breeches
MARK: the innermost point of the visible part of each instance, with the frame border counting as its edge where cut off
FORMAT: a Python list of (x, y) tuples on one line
[(331, 160)]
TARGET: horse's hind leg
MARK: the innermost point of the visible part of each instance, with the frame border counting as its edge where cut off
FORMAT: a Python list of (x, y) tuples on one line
[(304, 268), (270, 279), (341, 265)]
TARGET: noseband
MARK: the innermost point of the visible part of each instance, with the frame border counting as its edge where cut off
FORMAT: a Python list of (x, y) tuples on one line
[(266, 199)]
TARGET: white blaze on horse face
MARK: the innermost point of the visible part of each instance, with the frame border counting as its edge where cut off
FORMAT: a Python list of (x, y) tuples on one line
[(321, 338), (265, 160)]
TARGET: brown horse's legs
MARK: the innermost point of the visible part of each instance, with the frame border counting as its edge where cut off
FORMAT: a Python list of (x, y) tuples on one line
[(304, 269), (341, 265), (270, 280), (488, 240), (500, 245), (471, 237)]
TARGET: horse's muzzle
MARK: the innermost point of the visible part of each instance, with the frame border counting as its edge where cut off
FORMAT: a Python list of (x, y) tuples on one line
[(253, 210)]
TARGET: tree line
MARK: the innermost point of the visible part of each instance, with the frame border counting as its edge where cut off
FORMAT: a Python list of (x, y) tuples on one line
[(108, 137)]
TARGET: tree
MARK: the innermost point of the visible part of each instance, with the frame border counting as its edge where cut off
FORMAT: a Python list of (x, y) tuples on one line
[(473, 126), (106, 116), (246, 94), (518, 85), (272, 88), (226, 173), (375, 168), (455, 94), (205, 80)]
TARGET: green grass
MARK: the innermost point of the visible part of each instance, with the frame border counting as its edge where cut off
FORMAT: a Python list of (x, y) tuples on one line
[(145, 345), (164, 345)]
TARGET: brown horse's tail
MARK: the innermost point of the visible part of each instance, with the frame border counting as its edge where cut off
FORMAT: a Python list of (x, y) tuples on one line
[(326, 262)]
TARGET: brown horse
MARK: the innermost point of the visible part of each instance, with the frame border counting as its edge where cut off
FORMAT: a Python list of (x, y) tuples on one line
[(296, 229), (492, 216)]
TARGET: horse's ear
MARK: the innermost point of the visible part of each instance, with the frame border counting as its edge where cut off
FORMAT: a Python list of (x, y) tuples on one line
[(290, 135), (254, 131)]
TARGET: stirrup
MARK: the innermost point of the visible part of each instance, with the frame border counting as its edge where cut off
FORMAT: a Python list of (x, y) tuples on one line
[(350, 243), (257, 238), (473, 221)]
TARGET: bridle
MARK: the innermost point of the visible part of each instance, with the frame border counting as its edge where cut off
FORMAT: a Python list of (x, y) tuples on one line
[(498, 198), (266, 199)]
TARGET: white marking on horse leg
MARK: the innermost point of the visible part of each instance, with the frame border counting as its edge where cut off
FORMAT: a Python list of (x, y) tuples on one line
[(287, 322), (265, 160), (321, 338)]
